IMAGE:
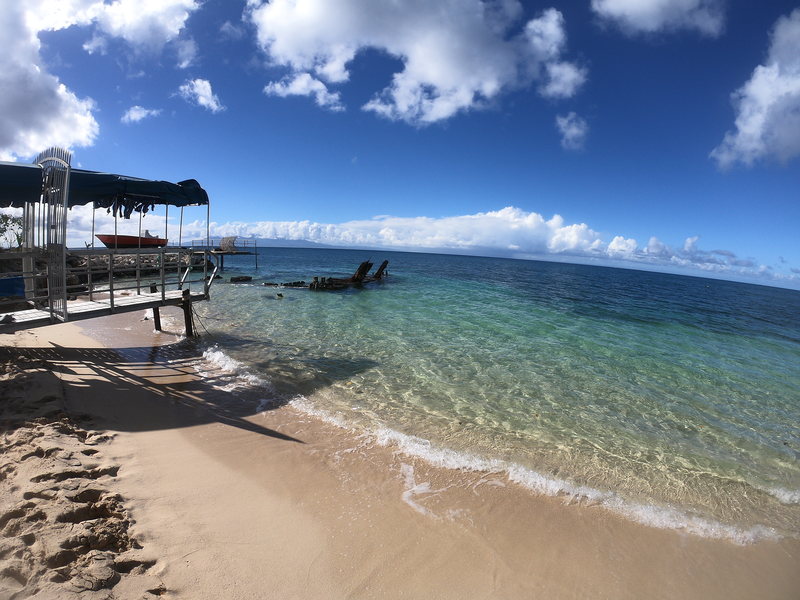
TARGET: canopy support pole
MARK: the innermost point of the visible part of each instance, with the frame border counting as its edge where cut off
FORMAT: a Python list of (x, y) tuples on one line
[(138, 259), (89, 258)]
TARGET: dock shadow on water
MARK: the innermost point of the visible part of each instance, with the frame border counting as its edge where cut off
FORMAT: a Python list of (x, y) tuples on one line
[(291, 369)]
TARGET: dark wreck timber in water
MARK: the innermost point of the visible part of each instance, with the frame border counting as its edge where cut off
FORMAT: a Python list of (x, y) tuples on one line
[(360, 277)]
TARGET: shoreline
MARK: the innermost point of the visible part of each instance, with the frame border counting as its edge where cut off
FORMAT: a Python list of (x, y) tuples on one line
[(227, 501)]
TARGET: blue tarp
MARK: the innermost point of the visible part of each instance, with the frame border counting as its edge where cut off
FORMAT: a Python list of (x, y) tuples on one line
[(12, 286)]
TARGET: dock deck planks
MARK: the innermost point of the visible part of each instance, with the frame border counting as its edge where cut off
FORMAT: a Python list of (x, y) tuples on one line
[(89, 309)]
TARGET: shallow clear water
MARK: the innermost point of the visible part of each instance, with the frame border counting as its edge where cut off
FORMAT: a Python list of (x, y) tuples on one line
[(673, 400)]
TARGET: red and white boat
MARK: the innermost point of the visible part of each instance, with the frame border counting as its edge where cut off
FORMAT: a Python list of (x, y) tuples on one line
[(131, 241)]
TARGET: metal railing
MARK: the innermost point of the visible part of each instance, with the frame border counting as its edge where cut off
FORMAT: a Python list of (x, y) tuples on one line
[(219, 245), (90, 272)]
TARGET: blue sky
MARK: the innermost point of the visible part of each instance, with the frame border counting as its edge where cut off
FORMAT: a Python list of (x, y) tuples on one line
[(658, 134)]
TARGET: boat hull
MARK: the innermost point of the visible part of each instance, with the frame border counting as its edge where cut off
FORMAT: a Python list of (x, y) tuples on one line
[(130, 241)]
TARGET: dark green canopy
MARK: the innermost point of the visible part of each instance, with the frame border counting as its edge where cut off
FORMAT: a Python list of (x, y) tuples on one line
[(20, 183)]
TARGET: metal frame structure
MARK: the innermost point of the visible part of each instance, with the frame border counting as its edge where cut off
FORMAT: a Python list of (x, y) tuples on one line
[(227, 246), (56, 165), (44, 272)]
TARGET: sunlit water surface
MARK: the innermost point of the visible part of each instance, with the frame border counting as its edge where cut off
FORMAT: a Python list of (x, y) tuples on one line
[(672, 400)]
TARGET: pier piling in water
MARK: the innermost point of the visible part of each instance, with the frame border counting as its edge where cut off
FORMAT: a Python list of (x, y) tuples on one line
[(156, 310), (186, 303)]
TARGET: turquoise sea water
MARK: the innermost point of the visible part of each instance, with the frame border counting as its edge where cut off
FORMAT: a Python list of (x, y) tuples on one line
[(672, 400)]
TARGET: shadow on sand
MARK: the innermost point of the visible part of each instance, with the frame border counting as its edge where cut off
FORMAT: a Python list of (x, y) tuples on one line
[(150, 388)]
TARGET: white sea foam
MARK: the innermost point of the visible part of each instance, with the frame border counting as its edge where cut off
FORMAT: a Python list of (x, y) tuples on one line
[(303, 404), (438, 457), (239, 376), (672, 518), (549, 486), (661, 517), (783, 495), (413, 488)]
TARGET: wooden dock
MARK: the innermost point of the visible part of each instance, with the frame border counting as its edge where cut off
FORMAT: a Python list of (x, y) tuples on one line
[(99, 307), (227, 246), (106, 282), (42, 278)]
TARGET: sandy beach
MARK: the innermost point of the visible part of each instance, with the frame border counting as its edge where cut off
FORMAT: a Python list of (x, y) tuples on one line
[(127, 474)]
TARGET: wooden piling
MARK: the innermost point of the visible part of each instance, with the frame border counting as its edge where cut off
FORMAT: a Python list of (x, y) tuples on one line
[(379, 273), (186, 303), (156, 311)]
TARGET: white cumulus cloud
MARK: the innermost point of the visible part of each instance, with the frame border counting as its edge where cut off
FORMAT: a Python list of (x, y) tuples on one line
[(573, 131), (456, 55), (146, 26), (622, 248), (563, 80), (37, 110), (547, 38), (136, 113), (199, 92), (650, 16), (509, 232), (768, 105), (305, 85), (688, 254), (231, 31), (187, 52)]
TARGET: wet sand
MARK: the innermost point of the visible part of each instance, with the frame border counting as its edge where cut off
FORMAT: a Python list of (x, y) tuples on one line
[(211, 498)]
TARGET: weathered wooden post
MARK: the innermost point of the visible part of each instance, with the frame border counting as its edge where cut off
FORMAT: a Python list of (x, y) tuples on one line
[(156, 311), (187, 312), (361, 272), (379, 273)]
